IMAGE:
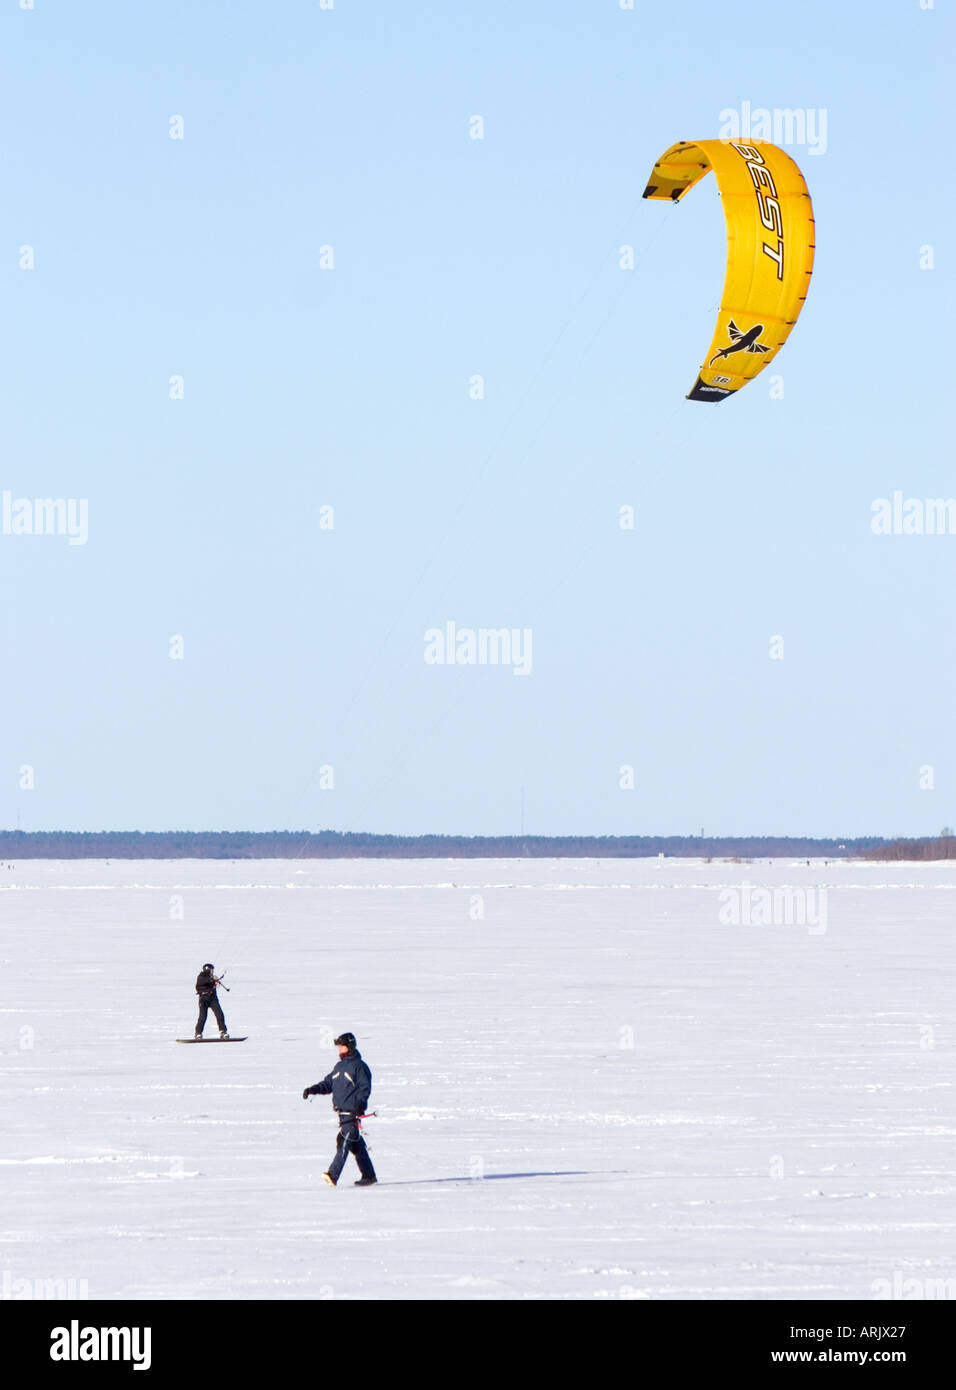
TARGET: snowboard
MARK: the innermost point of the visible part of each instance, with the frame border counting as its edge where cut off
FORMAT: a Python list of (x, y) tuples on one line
[(211, 1040)]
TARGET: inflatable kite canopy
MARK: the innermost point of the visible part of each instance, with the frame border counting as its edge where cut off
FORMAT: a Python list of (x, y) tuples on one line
[(770, 243)]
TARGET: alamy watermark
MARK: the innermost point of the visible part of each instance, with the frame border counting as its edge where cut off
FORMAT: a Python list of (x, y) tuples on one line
[(913, 516), (76, 1343), (483, 646), (781, 126), (750, 906), (13, 1290), (45, 516), (931, 1290)]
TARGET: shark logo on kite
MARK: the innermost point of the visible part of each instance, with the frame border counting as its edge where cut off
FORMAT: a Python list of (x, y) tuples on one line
[(741, 342), (771, 239)]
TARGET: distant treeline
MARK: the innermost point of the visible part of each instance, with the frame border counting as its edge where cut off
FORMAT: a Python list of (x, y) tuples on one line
[(334, 844), (943, 847)]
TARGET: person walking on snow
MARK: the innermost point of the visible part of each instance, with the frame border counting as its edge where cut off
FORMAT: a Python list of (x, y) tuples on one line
[(206, 983), (349, 1085)]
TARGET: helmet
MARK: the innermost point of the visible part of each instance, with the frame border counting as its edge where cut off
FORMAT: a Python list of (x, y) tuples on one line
[(345, 1040), (209, 965)]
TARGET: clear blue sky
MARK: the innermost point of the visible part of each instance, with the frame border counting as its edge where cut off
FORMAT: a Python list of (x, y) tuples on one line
[(349, 387)]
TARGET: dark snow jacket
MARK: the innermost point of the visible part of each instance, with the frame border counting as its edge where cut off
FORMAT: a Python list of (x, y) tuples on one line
[(206, 983), (349, 1085)]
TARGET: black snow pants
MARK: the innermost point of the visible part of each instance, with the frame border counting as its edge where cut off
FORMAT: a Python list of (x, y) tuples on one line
[(350, 1137), (207, 1002)]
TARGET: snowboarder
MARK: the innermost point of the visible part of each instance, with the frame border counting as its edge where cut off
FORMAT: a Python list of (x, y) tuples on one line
[(206, 983), (350, 1085)]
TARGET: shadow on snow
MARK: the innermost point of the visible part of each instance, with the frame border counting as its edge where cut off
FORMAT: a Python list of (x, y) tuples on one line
[(493, 1177)]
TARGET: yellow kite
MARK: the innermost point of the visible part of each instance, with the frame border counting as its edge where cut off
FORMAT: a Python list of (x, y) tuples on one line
[(770, 245)]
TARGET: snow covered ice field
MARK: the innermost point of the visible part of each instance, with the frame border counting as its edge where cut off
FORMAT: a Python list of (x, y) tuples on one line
[(588, 1084)]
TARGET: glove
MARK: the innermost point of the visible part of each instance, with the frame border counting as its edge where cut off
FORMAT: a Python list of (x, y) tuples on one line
[(306, 1093)]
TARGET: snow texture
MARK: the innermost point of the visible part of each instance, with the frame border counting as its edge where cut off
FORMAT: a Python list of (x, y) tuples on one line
[(590, 1081)]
